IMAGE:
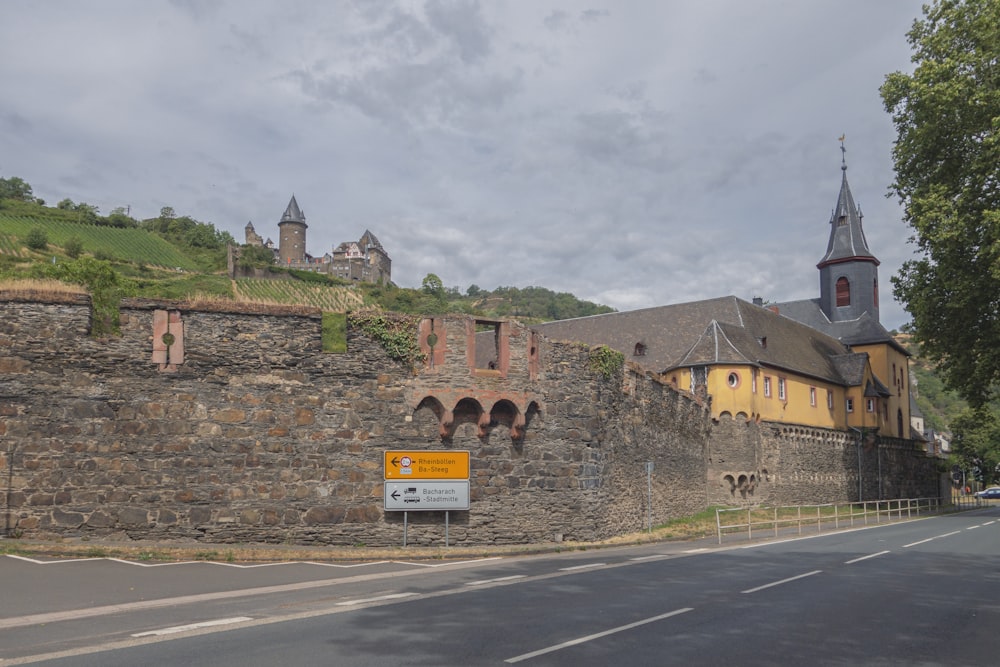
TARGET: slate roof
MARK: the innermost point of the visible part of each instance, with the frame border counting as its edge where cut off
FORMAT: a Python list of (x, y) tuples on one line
[(293, 213), (865, 330), (847, 237), (369, 239), (724, 330)]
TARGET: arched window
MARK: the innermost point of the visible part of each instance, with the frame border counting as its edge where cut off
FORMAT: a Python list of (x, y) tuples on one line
[(843, 292), (875, 287)]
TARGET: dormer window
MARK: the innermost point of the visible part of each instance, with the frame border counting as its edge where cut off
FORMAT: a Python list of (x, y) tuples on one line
[(640, 350)]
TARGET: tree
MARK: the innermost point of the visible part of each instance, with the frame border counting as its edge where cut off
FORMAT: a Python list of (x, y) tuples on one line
[(947, 163), (977, 441), (433, 286), (256, 257), (15, 188)]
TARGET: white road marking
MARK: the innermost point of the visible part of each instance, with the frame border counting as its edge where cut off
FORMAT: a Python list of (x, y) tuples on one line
[(378, 598), (250, 566), (493, 581), (931, 539), (581, 567), (193, 626), (858, 560), (650, 557), (783, 581), (581, 640)]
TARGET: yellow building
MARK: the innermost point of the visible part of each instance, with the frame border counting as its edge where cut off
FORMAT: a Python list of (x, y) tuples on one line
[(824, 362)]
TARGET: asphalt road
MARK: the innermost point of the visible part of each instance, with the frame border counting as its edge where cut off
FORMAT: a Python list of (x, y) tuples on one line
[(924, 592)]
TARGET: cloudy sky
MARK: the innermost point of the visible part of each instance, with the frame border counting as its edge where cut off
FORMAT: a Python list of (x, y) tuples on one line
[(631, 152)]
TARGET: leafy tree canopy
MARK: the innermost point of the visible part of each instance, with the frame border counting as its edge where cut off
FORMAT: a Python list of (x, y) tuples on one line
[(947, 163), (15, 188)]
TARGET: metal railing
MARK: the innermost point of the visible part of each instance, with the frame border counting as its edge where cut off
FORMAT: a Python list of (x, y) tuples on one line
[(796, 519)]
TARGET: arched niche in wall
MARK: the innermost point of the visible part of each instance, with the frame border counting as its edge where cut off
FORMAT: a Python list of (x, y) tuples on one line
[(430, 418)]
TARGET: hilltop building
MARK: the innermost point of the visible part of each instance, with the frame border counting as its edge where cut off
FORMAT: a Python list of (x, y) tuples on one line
[(364, 260), (824, 362)]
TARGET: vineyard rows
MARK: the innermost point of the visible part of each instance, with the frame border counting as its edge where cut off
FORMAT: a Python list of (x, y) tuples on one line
[(331, 299), (136, 245)]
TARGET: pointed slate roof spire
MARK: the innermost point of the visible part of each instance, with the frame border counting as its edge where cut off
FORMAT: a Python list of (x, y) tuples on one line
[(293, 213), (847, 238)]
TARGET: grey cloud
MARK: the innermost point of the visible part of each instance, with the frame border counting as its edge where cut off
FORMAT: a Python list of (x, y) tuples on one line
[(557, 20), (590, 15), (463, 23)]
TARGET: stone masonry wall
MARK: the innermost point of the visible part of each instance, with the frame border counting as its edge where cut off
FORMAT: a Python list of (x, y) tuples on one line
[(243, 430)]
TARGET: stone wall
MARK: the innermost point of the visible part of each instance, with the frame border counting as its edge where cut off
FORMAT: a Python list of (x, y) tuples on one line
[(237, 427)]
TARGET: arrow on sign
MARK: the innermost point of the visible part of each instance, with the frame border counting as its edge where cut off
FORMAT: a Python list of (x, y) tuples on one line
[(395, 461), (394, 494)]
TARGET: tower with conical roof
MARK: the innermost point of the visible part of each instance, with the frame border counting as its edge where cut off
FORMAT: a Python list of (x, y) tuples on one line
[(848, 272), (292, 234)]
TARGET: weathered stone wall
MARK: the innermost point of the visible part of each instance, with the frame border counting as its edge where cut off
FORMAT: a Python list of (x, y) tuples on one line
[(788, 464), (255, 434)]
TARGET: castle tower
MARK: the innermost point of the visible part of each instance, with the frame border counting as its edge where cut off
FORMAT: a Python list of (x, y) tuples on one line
[(848, 272), (292, 234), (252, 237)]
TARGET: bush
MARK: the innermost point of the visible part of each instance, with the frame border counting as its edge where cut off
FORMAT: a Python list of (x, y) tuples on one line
[(37, 239), (73, 247)]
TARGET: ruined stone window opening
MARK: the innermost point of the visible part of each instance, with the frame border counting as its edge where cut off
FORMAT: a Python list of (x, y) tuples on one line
[(488, 347)]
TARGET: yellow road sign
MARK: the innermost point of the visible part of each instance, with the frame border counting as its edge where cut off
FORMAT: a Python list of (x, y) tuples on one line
[(427, 464)]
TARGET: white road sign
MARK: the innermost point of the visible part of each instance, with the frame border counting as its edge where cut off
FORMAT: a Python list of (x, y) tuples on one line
[(427, 495)]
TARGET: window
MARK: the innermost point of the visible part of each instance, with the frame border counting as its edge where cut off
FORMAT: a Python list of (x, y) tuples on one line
[(767, 386), (812, 396), (870, 405), (850, 405), (640, 350), (843, 292), (781, 389), (829, 399), (733, 380), (753, 380)]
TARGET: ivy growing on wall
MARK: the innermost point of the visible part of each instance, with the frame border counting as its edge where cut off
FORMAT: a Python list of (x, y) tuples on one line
[(106, 287), (605, 361), (396, 333)]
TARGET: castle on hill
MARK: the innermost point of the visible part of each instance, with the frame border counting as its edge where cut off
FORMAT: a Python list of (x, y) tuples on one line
[(364, 260)]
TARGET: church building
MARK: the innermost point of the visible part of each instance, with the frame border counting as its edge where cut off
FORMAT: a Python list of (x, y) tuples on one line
[(825, 362)]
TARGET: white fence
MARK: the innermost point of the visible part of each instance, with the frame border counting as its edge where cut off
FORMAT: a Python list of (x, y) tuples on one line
[(796, 519)]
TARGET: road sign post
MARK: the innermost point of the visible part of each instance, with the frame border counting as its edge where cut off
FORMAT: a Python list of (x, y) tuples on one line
[(427, 495), (427, 464), (426, 480)]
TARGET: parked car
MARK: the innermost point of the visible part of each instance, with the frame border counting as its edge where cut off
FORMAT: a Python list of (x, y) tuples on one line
[(992, 492)]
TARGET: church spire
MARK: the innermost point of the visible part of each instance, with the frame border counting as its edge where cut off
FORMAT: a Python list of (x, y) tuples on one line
[(847, 237), (848, 271)]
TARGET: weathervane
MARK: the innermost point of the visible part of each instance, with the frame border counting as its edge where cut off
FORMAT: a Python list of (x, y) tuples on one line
[(843, 152)]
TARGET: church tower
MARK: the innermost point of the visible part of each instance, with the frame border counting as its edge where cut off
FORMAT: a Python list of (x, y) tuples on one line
[(848, 272), (292, 234)]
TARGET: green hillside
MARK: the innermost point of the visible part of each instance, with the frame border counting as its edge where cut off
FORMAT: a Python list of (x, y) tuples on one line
[(131, 245)]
